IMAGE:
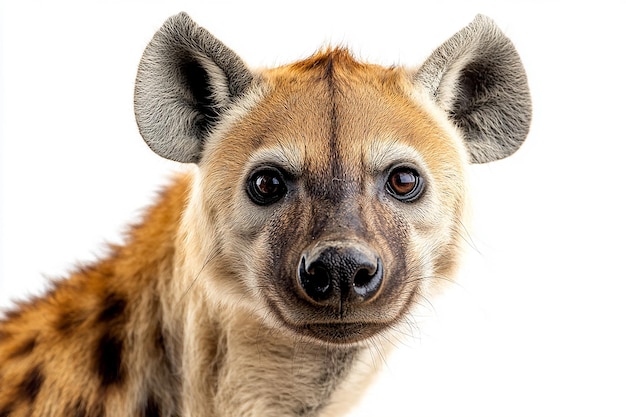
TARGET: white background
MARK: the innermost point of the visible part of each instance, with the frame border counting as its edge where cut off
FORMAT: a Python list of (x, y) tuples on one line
[(535, 325)]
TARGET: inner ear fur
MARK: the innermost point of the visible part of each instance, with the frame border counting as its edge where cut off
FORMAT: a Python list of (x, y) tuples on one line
[(478, 79), (185, 81)]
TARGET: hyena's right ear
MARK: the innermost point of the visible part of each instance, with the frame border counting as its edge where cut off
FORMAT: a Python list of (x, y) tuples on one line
[(186, 79)]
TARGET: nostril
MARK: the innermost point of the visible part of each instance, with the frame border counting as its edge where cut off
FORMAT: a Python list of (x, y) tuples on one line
[(315, 281), (362, 278), (366, 281)]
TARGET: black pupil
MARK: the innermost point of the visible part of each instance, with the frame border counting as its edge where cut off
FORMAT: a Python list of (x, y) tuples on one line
[(267, 184), (403, 182)]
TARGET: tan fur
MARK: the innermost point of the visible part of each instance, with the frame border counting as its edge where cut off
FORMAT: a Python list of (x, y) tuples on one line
[(184, 319)]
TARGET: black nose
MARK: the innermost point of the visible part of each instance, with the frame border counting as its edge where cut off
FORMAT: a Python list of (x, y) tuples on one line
[(340, 274)]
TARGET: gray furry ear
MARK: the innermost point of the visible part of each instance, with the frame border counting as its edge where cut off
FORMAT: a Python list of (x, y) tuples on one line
[(186, 79), (478, 79)]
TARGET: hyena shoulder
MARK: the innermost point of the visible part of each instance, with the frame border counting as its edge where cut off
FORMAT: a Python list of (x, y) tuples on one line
[(98, 331)]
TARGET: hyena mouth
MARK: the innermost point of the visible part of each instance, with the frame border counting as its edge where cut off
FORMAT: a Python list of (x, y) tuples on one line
[(342, 333), (338, 288)]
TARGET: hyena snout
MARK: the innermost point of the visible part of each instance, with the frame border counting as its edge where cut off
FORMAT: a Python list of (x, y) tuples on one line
[(338, 273)]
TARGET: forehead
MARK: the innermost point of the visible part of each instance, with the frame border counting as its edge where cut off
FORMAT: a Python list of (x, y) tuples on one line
[(332, 109)]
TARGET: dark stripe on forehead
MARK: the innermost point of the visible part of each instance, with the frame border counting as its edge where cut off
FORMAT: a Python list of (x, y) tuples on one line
[(335, 158), (328, 185)]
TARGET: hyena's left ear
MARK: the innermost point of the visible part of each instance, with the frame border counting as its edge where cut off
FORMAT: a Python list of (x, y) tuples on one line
[(186, 79), (478, 79)]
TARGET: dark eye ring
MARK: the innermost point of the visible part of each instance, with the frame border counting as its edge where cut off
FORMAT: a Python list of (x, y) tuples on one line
[(266, 186), (404, 183)]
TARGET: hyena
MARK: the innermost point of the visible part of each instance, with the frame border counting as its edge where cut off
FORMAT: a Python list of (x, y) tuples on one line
[(324, 200)]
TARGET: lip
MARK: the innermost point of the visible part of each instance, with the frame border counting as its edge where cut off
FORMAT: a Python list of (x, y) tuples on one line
[(342, 333), (334, 331)]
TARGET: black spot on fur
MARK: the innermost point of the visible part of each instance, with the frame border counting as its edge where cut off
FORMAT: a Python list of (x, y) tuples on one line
[(12, 314), (108, 360), (112, 307), (152, 408), (24, 349), (69, 321), (96, 411), (31, 385), (77, 410), (6, 410), (81, 409), (162, 348)]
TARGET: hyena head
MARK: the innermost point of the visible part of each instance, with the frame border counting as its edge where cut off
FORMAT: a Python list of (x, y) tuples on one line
[(330, 193)]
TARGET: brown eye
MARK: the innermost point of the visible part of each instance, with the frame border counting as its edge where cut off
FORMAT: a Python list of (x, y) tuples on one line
[(266, 186), (405, 184)]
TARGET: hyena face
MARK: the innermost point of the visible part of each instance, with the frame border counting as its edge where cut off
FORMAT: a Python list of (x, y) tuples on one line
[(352, 194), (330, 193)]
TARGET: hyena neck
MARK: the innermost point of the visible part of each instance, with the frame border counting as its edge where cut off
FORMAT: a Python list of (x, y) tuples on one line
[(252, 370)]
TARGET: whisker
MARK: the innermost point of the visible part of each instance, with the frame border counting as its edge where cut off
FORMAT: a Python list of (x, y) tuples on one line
[(193, 282), (467, 237)]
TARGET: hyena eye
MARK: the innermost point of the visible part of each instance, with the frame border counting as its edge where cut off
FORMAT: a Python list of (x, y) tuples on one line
[(405, 184), (266, 186)]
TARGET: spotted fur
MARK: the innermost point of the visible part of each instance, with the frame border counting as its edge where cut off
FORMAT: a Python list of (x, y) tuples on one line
[(204, 310)]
